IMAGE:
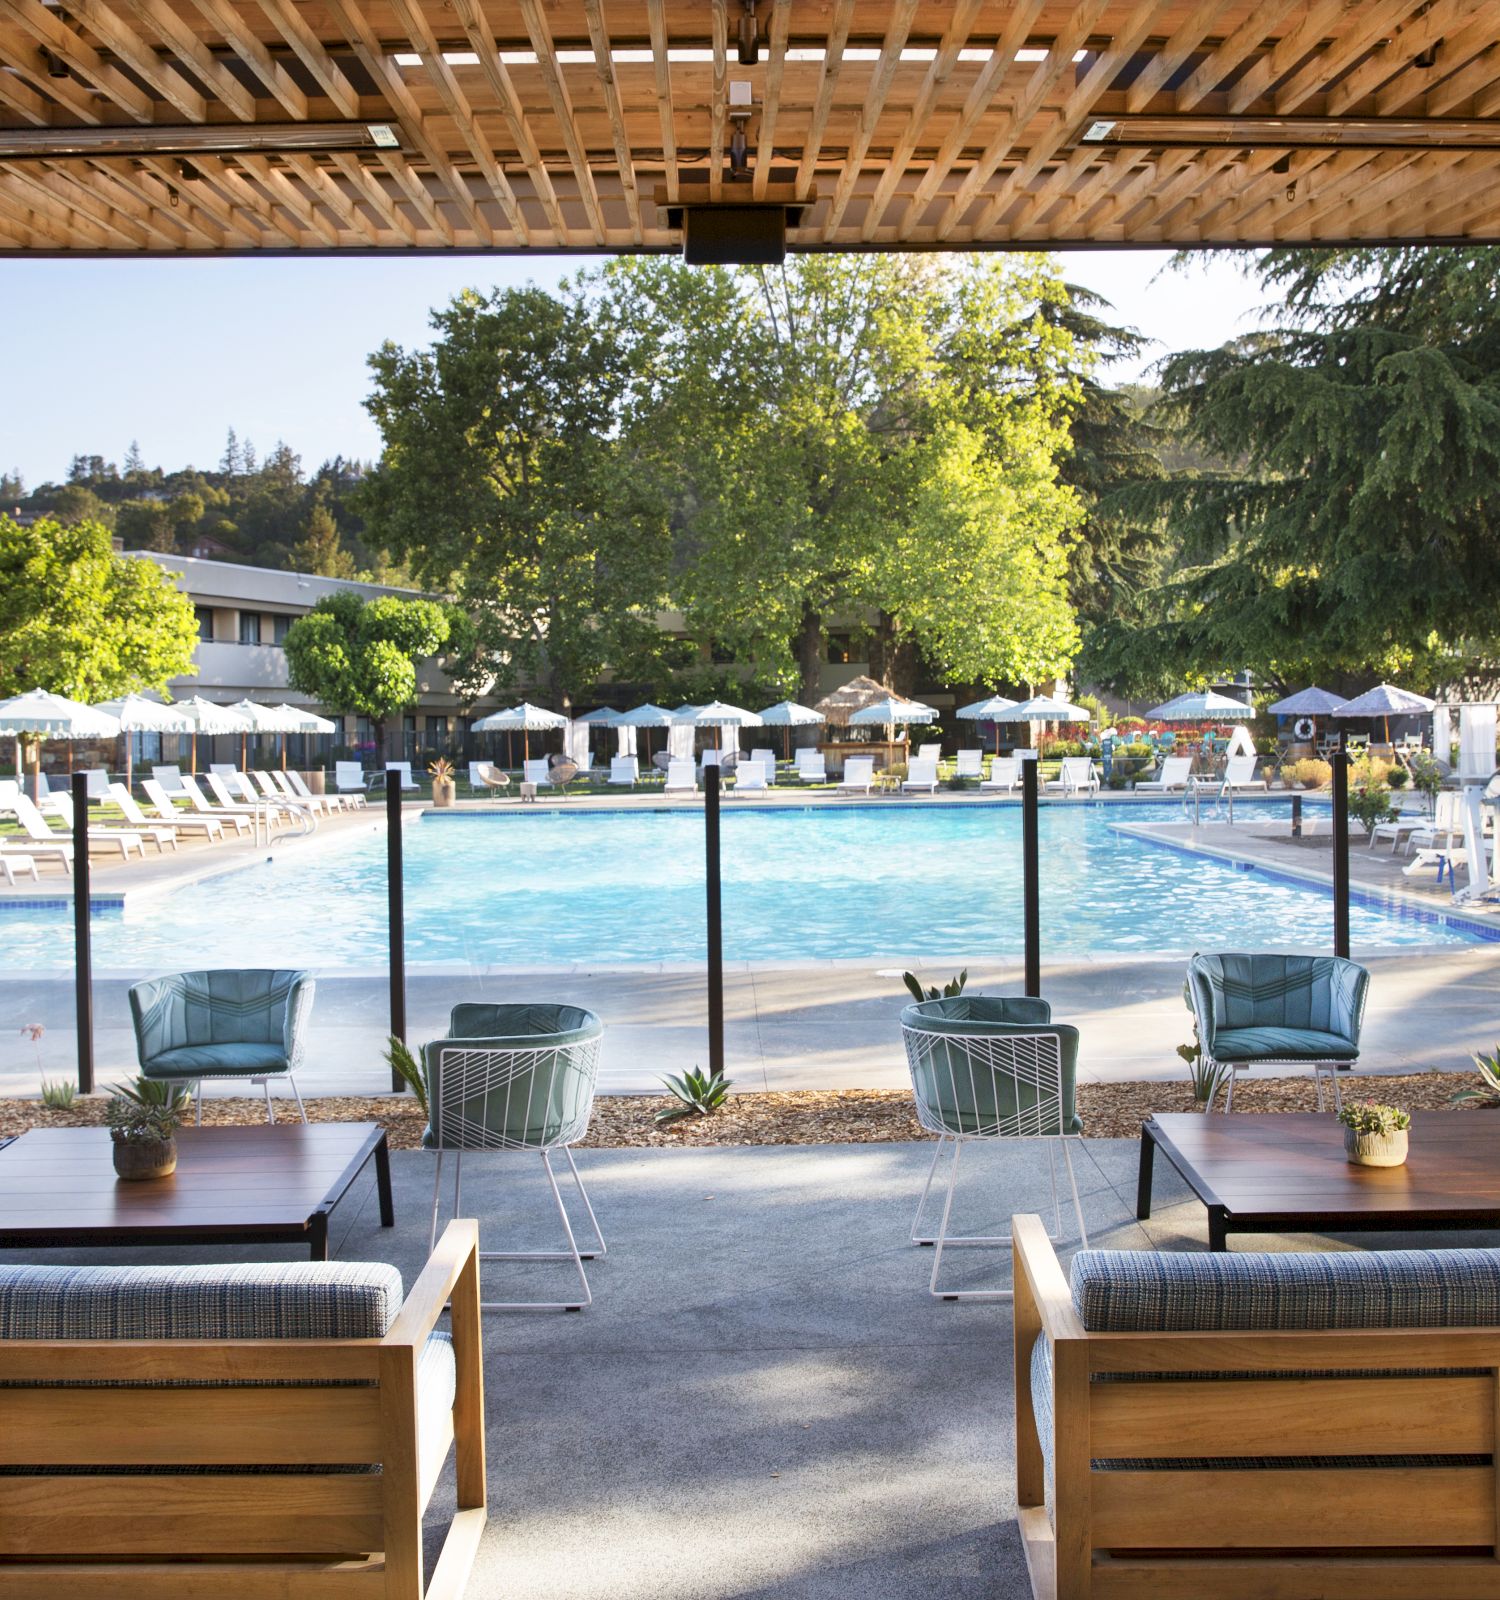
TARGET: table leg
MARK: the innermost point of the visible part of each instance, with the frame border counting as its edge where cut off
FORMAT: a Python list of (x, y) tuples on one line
[(383, 1183), (1218, 1229), (1143, 1181), (317, 1236)]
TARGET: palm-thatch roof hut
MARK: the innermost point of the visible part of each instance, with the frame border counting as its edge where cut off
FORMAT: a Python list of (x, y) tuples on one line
[(838, 707)]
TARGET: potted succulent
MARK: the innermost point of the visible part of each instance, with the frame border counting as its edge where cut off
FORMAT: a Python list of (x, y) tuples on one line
[(1374, 1135), (143, 1117), (444, 789)]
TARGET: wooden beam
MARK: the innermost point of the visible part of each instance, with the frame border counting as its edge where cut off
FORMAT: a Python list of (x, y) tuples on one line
[(1395, 56), (280, 189), (1365, 29), (1051, 188), (46, 27), (54, 193), (234, 181), (373, 193), (240, 226), (21, 98), (593, 11), (833, 61), (980, 99), (27, 222), (1454, 93), (1185, 41), (1317, 21), (481, 36), (309, 50), (540, 34), (662, 67), (142, 58), (765, 146), (718, 108), (322, 185), (242, 40), (181, 227), (418, 195), (965, 14), (1261, 22), (185, 42)]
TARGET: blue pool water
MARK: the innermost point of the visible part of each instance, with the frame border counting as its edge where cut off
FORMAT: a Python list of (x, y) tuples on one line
[(546, 887)]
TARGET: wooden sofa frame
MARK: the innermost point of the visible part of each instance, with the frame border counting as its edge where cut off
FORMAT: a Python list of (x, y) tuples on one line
[(266, 1535), (1314, 1533)]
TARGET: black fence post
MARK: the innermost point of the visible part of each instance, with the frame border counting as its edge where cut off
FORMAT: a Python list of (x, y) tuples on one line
[(396, 898), (1296, 816), (1030, 879), (715, 919), (1341, 850), (83, 955)]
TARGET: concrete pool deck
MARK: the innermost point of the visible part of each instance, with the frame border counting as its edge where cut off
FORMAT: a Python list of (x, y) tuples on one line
[(788, 1025)]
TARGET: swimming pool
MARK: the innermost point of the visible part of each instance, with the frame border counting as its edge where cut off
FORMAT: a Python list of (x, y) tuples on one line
[(547, 887)]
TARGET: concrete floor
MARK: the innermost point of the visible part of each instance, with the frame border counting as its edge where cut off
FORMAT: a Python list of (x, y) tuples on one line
[(762, 1401)]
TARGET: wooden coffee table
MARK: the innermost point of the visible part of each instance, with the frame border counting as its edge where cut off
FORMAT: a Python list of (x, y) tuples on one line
[(1267, 1173), (265, 1185)]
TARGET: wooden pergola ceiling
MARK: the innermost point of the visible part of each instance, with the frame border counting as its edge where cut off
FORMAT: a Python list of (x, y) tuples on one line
[(182, 126)]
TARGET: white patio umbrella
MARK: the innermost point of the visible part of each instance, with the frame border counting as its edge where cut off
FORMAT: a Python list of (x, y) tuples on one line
[(719, 714), (301, 720), (1043, 708), (1385, 701), (525, 719), (996, 709), (788, 714), (892, 712), (39, 714), (208, 717), (138, 714), (646, 716), (1310, 703), (265, 719), (1201, 705)]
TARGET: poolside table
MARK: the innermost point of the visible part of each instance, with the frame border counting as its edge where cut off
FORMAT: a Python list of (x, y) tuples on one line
[(1270, 1172), (239, 1185)]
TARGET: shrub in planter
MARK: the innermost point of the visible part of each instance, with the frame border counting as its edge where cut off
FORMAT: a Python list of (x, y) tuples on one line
[(1309, 773), (1398, 777), (1375, 1135), (1371, 804), (143, 1116)]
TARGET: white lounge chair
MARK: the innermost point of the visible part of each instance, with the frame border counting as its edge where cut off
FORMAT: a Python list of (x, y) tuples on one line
[(96, 783), (1078, 776), (403, 767), (1239, 773), (929, 752), (682, 778), (767, 759), (212, 828), (812, 767), (625, 771), (321, 804), (241, 814), (348, 777), (170, 778), (46, 796), (749, 778), (1005, 774), (141, 823), (535, 772), (10, 860), (476, 781), (153, 832), (1412, 815), (36, 827), (859, 775), (230, 801), (1439, 833), (970, 764), (922, 773), (296, 784), (1173, 774)]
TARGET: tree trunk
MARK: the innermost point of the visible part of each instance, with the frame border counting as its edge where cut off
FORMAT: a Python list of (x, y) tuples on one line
[(893, 657), (809, 653)]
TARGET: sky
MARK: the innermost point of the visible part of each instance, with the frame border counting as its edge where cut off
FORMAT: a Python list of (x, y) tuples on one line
[(174, 353)]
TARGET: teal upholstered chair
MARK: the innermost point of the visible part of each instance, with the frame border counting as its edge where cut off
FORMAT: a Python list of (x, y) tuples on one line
[(1278, 1010), (517, 1077), (990, 1067), (236, 1023)]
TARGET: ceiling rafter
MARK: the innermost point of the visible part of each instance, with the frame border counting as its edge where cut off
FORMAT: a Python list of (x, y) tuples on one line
[(141, 57), (46, 28), (661, 67), (604, 65), (310, 51), (765, 148), (178, 36), (242, 40), (828, 77), (562, 109)]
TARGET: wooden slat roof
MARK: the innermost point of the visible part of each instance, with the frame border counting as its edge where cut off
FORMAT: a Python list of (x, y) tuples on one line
[(916, 124)]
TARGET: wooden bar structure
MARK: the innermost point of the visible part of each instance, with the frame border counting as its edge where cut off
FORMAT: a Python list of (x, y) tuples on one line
[(187, 127)]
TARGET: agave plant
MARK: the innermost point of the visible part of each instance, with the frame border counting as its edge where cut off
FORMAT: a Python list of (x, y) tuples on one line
[(406, 1067), (953, 986), (697, 1092), (1487, 1091), (146, 1108)]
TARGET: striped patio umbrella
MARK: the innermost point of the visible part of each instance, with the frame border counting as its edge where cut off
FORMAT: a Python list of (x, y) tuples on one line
[(525, 719), (139, 714), (892, 712), (994, 710), (39, 714), (647, 716), (788, 714)]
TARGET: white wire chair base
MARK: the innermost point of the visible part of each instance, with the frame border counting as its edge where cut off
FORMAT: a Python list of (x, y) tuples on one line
[(1321, 1070), (942, 1240), (265, 1083), (572, 1253)]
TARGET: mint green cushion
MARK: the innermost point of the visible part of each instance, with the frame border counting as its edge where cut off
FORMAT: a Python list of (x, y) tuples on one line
[(191, 1060), (1282, 1044)]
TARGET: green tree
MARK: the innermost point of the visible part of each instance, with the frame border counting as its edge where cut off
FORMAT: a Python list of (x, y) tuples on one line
[(507, 479), (320, 550), (82, 621), (1355, 530), (360, 656), (75, 502), (865, 437)]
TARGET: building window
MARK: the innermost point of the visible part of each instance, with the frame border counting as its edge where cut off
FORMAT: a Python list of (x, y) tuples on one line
[(840, 649), (204, 617), (279, 625), (437, 730), (249, 627)]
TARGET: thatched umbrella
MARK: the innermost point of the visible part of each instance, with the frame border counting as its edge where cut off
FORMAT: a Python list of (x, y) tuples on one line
[(838, 707)]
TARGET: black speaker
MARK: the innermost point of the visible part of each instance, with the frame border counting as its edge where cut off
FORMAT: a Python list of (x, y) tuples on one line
[(730, 236)]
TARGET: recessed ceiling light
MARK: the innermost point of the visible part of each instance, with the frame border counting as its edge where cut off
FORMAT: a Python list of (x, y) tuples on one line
[(460, 58), (407, 58)]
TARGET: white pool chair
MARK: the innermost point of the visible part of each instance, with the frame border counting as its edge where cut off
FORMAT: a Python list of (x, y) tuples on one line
[(276, 795), (233, 800), (1004, 774), (682, 778), (403, 768), (170, 778), (767, 759), (749, 778), (624, 771), (1173, 774), (138, 820), (348, 777), (237, 817), (322, 804), (859, 775), (535, 772), (10, 860), (1239, 773), (929, 752), (1412, 815), (36, 827), (296, 784), (212, 828), (1078, 776), (812, 767), (922, 773), (970, 764)]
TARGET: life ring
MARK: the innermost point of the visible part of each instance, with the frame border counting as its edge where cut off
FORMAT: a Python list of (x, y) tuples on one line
[(1304, 727)]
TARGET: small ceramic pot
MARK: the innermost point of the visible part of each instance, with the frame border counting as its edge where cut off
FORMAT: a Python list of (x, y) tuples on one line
[(136, 1160), (1375, 1149)]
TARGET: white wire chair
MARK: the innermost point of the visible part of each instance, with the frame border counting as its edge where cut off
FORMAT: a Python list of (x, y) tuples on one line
[(517, 1077), (987, 1079)]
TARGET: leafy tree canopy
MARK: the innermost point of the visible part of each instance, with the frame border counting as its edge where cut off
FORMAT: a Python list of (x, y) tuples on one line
[(82, 621)]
